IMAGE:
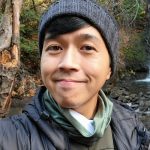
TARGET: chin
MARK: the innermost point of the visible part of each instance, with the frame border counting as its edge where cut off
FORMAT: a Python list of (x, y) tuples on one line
[(68, 103)]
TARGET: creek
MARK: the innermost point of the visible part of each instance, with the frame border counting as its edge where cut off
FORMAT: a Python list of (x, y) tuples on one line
[(143, 84), (137, 95)]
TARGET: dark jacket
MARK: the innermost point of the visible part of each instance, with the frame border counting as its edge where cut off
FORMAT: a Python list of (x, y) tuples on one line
[(34, 130)]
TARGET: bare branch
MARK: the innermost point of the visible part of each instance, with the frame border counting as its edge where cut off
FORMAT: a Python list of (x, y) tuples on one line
[(136, 13), (17, 4)]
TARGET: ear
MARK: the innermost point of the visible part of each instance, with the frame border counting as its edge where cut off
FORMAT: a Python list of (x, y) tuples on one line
[(108, 74)]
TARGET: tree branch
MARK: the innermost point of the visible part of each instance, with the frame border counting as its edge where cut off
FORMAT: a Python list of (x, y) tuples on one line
[(138, 6)]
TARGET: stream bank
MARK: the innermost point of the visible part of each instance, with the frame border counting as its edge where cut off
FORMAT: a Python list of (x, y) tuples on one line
[(136, 94)]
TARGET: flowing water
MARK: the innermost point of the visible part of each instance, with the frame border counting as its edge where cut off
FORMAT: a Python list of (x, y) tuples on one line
[(143, 84)]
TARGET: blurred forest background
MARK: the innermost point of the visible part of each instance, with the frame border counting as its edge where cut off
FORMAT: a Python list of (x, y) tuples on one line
[(19, 59)]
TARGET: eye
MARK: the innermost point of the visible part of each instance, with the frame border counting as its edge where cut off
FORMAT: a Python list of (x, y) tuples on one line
[(54, 48), (88, 48)]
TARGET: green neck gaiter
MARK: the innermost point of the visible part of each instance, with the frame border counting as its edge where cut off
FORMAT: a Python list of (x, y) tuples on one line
[(71, 125)]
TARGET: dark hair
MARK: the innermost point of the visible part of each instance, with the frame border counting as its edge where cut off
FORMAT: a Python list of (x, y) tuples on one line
[(65, 24)]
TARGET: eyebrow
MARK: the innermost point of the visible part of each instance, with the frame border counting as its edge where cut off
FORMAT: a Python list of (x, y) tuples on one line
[(88, 37)]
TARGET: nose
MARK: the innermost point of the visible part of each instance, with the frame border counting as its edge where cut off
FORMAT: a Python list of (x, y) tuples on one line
[(70, 60)]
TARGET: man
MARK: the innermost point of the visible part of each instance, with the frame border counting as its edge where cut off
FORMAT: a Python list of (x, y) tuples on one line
[(78, 43)]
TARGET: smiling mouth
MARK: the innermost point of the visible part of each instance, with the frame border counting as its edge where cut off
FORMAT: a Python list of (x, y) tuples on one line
[(68, 83), (70, 80)]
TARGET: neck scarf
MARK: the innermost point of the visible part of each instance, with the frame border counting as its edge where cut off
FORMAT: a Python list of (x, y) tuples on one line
[(62, 117)]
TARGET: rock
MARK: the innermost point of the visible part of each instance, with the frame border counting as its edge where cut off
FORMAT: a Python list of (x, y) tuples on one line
[(148, 93), (114, 95), (147, 103), (147, 96), (127, 97), (133, 96), (125, 93), (138, 101), (140, 94)]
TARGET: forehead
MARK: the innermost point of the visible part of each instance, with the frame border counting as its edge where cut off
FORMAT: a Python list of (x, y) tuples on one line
[(86, 33)]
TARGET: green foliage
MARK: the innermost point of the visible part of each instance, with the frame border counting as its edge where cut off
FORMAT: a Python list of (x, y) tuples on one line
[(29, 29), (132, 10), (135, 54), (135, 51), (127, 11), (29, 19), (28, 45)]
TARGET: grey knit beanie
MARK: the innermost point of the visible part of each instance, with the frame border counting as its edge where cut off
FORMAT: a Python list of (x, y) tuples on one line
[(91, 11)]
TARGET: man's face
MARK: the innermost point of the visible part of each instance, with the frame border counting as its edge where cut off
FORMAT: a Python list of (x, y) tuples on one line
[(74, 67)]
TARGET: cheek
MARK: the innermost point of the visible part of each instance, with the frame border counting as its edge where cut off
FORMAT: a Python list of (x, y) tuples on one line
[(98, 69), (43, 71), (48, 68), (45, 68)]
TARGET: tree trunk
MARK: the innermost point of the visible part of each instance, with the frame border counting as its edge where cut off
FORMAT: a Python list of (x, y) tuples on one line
[(9, 52)]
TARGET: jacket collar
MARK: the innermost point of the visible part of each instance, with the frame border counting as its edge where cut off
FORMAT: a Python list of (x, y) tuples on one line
[(36, 112)]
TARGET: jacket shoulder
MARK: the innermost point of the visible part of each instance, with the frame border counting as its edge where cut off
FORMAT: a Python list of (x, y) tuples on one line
[(126, 121), (14, 132)]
